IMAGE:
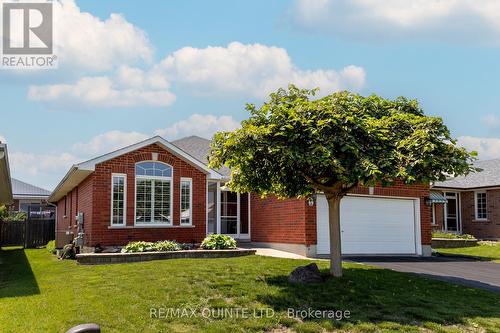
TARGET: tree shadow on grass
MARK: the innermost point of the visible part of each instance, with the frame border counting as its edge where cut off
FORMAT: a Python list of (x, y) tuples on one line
[(377, 295), (16, 277)]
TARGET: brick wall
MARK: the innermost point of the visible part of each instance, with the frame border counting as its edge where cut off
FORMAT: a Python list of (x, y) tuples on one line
[(77, 200), (101, 233), (481, 229), (439, 211), (280, 221), (293, 221)]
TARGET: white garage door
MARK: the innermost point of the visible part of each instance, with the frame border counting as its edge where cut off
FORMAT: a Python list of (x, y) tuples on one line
[(370, 225)]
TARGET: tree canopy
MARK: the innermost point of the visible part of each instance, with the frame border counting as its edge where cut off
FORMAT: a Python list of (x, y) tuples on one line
[(296, 144)]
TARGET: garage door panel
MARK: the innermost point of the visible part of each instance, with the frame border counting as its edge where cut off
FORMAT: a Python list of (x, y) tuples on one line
[(370, 225)]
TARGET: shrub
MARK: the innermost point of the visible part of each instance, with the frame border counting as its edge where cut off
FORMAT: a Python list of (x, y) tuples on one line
[(51, 246), (16, 216), (138, 247), (218, 242), (166, 246), (151, 247), (450, 235), (3, 212)]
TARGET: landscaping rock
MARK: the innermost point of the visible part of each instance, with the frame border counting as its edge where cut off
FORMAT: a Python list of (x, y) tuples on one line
[(305, 274)]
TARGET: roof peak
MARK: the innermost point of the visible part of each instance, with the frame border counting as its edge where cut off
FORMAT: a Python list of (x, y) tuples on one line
[(191, 137)]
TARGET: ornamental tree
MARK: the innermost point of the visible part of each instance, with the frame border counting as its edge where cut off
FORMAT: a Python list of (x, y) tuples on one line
[(296, 145)]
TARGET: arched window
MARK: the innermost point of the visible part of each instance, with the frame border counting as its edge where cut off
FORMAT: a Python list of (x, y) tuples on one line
[(153, 193)]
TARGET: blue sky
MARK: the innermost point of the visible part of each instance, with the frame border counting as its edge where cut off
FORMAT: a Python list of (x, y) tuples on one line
[(130, 70)]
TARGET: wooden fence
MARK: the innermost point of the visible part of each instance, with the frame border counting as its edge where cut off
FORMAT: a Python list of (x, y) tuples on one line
[(30, 233)]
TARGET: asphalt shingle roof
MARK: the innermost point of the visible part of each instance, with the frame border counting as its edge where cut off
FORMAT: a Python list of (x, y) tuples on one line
[(489, 176), (20, 188), (198, 148)]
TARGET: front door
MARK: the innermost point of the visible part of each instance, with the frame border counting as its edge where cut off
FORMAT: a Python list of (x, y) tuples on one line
[(452, 213), (234, 216), (227, 212)]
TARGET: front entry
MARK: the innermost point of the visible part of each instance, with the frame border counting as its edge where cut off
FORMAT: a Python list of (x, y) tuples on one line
[(227, 212), (452, 213)]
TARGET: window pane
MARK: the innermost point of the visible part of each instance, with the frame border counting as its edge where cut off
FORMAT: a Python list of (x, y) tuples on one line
[(481, 205), (161, 201), (229, 203), (143, 200), (156, 169), (185, 202), (212, 207), (118, 200), (228, 225)]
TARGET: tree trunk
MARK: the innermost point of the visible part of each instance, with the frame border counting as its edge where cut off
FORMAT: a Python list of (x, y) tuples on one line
[(334, 224)]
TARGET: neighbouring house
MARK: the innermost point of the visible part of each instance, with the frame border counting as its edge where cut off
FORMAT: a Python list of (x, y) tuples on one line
[(5, 181), (32, 200), (156, 189), (473, 202)]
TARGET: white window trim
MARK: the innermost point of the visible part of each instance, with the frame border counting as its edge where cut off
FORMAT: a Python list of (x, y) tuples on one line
[(476, 207), (433, 214), (153, 224), (190, 180), (124, 176)]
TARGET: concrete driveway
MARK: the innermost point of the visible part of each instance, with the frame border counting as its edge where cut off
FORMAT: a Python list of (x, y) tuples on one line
[(464, 271)]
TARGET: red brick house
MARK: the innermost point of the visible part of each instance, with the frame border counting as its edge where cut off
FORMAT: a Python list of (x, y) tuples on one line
[(156, 190), (473, 203)]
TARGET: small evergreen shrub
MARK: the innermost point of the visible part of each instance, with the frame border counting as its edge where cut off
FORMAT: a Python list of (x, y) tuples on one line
[(218, 242), (51, 246)]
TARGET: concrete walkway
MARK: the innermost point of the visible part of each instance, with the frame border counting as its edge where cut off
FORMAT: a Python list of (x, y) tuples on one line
[(268, 252), (459, 270)]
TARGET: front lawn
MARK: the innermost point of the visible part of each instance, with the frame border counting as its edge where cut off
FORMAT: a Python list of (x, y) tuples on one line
[(38, 293), (485, 251)]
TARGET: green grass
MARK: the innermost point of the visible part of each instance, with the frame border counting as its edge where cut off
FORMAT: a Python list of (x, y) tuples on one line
[(38, 293), (485, 251)]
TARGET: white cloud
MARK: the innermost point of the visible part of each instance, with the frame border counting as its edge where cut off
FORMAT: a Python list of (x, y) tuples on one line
[(451, 20), (2, 139), (201, 125), (85, 41), (251, 70), (41, 169), (107, 142), (242, 69), (487, 148), (131, 88)]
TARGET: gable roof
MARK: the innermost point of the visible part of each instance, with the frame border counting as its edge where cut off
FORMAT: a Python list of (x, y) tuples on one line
[(5, 181), (199, 148), (80, 171), (489, 176), (22, 190)]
